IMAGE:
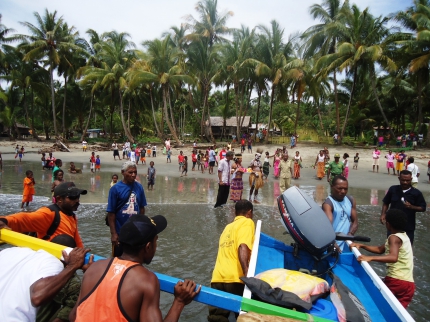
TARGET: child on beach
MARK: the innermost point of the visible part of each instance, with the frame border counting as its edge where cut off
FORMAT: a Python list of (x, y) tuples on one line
[(142, 155), (73, 169), (21, 154), (398, 257), (169, 153), (356, 158), (151, 176), (346, 164), (114, 180), (98, 163), (154, 151), (181, 160), (148, 150), (58, 165), (84, 146), (43, 159), (27, 194), (204, 161), (92, 161), (16, 151), (185, 167), (58, 179)]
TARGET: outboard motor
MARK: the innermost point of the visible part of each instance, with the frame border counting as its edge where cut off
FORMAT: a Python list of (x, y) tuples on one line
[(307, 223)]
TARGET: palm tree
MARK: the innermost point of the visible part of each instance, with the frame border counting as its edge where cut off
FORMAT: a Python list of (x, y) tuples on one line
[(164, 71), (211, 24), (203, 64), (116, 55), (47, 41), (273, 55), (321, 39)]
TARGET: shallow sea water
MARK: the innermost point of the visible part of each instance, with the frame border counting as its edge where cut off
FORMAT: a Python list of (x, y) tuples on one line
[(188, 246)]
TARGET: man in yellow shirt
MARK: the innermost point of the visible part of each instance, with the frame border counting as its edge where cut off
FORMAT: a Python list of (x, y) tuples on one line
[(234, 253)]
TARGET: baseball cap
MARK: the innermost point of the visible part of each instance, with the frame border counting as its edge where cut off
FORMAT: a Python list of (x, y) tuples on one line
[(337, 155), (68, 189), (140, 229)]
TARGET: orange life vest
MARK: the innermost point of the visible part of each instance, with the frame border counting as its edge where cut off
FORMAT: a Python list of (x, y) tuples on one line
[(101, 304)]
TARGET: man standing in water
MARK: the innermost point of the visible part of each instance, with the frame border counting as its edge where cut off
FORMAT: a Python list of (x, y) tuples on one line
[(224, 175), (286, 172), (335, 168), (234, 253), (126, 198), (120, 288), (341, 209), (405, 198), (53, 220)]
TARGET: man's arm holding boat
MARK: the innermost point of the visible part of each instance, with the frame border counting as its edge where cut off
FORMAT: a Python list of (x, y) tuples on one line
[(46, 288)]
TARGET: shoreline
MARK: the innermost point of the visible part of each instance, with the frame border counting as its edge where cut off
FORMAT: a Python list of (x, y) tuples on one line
[(364, 177)]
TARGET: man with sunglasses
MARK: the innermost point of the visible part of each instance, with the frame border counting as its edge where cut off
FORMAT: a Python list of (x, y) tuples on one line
[(341, 209), (48, 222)]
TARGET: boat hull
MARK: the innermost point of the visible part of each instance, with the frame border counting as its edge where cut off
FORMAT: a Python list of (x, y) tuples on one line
[(378, 301)]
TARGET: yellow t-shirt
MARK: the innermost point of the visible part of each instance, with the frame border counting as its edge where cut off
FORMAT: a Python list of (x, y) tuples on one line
[(404, 267), (227, 267)]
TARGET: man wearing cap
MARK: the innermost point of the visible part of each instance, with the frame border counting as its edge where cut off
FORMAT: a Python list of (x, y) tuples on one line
[(120, 288), (126, 198), (224, 179), (234, 253), (42, 220), (335, 168)]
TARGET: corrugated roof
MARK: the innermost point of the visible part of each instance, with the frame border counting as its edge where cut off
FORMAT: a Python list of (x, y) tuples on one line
[(218, 121)]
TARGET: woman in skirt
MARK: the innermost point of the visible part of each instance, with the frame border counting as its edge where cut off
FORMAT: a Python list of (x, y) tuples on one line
[(236, 187)]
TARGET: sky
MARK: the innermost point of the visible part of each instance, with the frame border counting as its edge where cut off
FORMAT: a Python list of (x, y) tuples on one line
[(147, 20)]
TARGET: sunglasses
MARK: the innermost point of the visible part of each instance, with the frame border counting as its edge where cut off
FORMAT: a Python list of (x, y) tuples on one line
[(73, 197)]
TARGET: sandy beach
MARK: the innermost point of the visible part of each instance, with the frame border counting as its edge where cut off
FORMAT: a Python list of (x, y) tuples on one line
[(364, 177)]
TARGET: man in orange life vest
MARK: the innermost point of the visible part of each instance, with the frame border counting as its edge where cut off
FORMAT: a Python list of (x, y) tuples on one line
[(41, 221), (138, 288)]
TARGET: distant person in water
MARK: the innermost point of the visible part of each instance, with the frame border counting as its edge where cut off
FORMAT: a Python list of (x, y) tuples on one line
[(28, 193)]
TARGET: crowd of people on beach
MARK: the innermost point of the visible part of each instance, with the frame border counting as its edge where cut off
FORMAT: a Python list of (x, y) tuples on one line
[(134, 235)]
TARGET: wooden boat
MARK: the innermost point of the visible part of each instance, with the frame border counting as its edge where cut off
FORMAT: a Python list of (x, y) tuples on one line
[(380, 304)]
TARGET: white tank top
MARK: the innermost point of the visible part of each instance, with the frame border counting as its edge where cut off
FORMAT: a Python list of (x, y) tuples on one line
[(321, 158)]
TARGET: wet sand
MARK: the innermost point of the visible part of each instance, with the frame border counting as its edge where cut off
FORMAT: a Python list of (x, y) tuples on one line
[(364, 177)]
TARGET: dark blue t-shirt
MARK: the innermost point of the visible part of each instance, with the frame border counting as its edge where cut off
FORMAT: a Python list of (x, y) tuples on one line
[(131, 203)]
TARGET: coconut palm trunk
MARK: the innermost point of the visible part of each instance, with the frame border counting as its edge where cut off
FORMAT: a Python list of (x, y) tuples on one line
[(54, 114), (124, 125), (159, 134), (169, 124), (88, 119), (349, 102), (272, 96), (373, 79), (64, 105)]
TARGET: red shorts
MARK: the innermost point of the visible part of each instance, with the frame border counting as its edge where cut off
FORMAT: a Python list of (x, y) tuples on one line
[(97, 166), (402, 290)]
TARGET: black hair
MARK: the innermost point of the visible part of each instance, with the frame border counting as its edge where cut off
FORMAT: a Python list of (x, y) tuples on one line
[(65, 240), (114, 175), (411, 159), (131, 250), (58, 161), (28, 172), (405, 173), (337, 178), (346, 155), (397, 219), (56, 172), (243, 206)]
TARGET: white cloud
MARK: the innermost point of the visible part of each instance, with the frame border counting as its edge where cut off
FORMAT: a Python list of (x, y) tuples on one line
[(145, 19)]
